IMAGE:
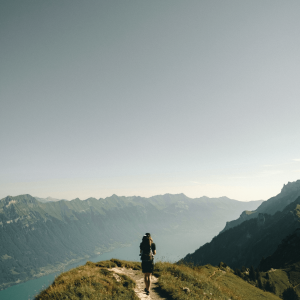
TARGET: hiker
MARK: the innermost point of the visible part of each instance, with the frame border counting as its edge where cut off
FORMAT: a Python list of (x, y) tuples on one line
[(147, 250)]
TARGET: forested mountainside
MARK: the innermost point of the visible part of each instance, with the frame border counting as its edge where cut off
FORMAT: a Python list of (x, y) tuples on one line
[(247, 243), (37, 237), (282, 268), (286, 255), (279, 273), (289, 193)]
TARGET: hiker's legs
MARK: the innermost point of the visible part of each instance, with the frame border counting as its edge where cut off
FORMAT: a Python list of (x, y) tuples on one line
[(147, 267), (147, 281)]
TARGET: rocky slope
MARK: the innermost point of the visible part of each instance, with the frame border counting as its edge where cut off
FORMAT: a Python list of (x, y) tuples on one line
[(289, 193)]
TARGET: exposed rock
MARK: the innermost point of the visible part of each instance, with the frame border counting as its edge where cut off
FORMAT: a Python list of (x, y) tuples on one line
[(186, 290), (289, 193)]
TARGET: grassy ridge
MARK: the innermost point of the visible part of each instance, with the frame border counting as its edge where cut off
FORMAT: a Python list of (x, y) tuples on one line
[(91, 281), (178, 282), (184, 282)]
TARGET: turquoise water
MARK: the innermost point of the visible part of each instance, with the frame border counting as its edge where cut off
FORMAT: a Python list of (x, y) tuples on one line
[(169, 248), (28, 289)]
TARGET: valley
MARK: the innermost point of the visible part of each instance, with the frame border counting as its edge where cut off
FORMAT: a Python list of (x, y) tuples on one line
[(38, 238), (42, 237)]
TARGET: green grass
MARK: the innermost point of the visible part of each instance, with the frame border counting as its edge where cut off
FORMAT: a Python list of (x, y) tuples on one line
[(274, 280), (119, 263), (91, 281), (182, 282), (178, 282)]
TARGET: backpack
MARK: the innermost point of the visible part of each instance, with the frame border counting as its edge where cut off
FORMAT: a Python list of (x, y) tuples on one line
[(146, 248)]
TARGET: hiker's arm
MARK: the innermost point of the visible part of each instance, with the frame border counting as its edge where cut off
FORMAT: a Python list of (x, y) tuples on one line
[(154, 252)]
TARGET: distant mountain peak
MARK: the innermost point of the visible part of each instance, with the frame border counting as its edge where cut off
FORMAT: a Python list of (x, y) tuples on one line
[(291, 186), (224, 197), (289, 193), (48, 199)]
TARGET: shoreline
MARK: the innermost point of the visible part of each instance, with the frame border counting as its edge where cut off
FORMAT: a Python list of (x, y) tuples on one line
[(60, 267)]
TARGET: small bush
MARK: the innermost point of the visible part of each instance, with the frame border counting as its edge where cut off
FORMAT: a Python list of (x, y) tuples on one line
[(289, 294), (270, 287), (252, 274), (260, 284), (238, 273)]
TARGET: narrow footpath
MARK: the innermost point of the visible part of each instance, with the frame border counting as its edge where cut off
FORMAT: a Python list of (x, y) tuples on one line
[(138, 277)]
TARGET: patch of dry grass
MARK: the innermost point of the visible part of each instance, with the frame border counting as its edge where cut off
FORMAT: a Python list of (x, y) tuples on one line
[(119, 263), (179, 282), (91, 281), (182, 282)]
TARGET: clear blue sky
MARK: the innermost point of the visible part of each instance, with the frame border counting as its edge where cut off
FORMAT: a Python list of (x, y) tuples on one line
[(149, 97)]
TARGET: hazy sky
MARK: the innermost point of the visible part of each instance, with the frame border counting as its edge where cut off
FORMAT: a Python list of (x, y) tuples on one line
[(149, 97)]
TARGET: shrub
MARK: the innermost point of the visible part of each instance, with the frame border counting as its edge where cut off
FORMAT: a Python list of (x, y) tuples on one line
[(289, 294), (238, 272), (252, 274), (270, 287), (259, 283), (257, 273)]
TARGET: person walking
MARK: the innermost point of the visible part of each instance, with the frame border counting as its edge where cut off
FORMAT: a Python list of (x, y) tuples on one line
[(147, 252)]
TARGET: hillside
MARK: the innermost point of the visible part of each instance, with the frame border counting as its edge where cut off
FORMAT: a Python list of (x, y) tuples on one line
[(117, 279), (247, 243), (282, 268), (38, 237), (289, 193), (279, 273)]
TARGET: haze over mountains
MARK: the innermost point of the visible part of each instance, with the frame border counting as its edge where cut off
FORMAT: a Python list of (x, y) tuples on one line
[(38, 236), (48, 199), (288, 194)]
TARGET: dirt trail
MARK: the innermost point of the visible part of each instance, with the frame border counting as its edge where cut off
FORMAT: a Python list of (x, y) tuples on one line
[(214, 273), (138, 277)]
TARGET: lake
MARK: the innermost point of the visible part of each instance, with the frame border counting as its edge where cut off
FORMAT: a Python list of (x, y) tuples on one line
[(169, 248)]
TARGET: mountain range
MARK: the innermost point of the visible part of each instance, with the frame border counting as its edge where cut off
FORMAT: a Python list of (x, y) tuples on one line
[(37, 236)]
